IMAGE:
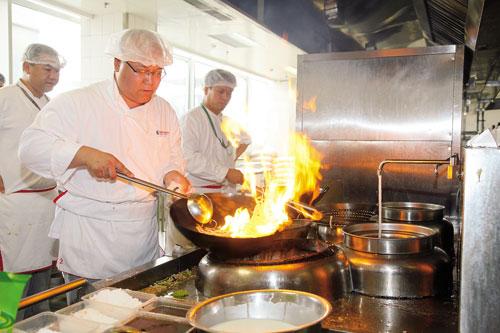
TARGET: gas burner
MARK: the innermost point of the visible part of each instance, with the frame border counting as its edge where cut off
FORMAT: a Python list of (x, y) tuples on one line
[(296, 264), (284, 251)]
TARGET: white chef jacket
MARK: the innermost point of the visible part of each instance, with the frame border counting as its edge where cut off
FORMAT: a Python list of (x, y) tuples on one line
[(26, 208), (103, 227), (207, 161)]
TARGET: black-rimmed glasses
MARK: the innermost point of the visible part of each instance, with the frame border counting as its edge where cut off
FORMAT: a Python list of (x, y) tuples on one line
[(157, 74)]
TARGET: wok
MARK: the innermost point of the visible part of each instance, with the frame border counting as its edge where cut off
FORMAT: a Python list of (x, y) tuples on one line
[(228, 247)]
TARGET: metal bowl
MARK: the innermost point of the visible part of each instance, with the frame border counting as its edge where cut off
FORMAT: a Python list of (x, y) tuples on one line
[(397, 238), (412, 211), (299, 309)]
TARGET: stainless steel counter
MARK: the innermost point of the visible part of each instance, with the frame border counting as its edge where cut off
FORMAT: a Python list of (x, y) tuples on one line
[(353, 313)]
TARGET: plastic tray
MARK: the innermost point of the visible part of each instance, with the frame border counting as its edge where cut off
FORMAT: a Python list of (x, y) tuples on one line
[(120, 314), (166, 306), (173, 323), (55, 322)]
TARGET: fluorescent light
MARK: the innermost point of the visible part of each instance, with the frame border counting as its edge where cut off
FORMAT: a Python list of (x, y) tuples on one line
[(243, 39), (234, 39), (53, 6)]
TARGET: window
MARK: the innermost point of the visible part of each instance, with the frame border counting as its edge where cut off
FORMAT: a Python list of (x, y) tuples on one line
[(30, 26), (175, 86)]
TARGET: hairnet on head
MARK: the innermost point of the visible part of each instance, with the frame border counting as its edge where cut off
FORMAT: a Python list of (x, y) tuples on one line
[(140, 45), (220, 77), (2, 78), (40, 54)]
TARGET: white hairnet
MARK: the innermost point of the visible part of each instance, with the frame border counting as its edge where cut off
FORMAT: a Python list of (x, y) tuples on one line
[(140, 45), (41, 54), (220, 77)]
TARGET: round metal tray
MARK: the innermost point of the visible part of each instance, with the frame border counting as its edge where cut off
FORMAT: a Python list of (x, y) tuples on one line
[(397, 238), (412, 211)]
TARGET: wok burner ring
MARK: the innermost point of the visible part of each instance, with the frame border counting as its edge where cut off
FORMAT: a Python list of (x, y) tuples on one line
[(284, 251), (313, 267)]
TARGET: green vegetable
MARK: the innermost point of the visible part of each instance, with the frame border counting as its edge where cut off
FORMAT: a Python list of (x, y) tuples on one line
[(181, 293)]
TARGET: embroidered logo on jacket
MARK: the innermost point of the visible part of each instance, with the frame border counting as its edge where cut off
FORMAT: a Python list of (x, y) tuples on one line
[(162, 133)]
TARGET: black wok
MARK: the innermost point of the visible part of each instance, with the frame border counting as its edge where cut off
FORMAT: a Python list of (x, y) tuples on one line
[(226, 246)]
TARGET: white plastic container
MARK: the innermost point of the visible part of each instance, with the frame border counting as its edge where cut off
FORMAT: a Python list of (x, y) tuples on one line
[(144, 298), (107, 315), (55, 322)]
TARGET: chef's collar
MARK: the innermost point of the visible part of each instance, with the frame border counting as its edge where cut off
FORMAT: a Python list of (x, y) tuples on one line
[(213, 113)]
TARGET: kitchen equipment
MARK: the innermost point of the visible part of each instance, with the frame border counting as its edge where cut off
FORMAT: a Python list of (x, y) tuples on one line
[(403, 263), (202, 237), (412, 211), (424, 214), (299, 264), (337, 215), (301, 208), (199, 205), (300, 311), (480, 271), (451, 161)]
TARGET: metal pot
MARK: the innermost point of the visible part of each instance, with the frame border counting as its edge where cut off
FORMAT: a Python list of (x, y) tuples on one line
[(300, 311), (424, 214), (412, 211), (403, 263), (444, 232)]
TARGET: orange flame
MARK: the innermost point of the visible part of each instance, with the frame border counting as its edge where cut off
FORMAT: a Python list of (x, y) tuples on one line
[(310, 104), (234, 132), (291, 176)]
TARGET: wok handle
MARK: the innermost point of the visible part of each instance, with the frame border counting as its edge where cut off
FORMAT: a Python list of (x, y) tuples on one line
[(150, 185)]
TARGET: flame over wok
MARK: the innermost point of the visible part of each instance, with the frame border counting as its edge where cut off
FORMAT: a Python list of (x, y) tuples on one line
[(290, 177)]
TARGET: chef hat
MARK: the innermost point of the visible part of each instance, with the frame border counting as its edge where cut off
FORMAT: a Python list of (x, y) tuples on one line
[(41, 54), (140, 45), (220, 77)]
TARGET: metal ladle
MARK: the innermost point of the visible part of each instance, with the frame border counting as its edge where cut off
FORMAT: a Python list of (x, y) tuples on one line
[(199, 205), (306, 210)]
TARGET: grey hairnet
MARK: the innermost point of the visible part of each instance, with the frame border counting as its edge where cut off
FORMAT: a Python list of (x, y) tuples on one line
[(140, 45), (2, 78), (220, 77), (41, 54)]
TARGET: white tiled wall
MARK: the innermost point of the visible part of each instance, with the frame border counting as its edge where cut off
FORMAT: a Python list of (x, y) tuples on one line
[(96, 65)]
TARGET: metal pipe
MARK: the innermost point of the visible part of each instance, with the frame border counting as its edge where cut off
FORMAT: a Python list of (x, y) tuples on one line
[(451, 161), (44, 295)]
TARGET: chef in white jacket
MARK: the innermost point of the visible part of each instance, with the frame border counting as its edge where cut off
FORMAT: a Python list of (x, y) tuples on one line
[(26, 208), (83, 137), (209, 155)]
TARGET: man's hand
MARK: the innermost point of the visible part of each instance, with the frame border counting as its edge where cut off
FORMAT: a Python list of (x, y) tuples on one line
[(235, 176), (2, 187), (176, 177), (99, 164)]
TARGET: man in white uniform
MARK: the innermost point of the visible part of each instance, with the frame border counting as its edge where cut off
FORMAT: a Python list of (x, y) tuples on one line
[(26, 208), (209, 155), (83, 137)]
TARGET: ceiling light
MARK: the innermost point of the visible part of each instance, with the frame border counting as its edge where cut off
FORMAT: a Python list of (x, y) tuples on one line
[(234, 39)]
